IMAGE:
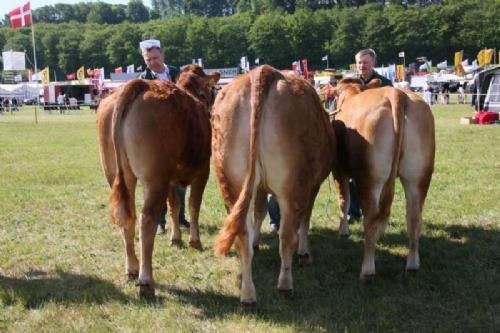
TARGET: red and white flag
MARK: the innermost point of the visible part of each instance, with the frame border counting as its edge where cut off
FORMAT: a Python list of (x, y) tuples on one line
[(20, 16)]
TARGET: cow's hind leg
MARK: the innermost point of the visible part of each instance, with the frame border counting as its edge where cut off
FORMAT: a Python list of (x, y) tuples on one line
[(195, 197), (244, 248), (288, 244), (344, 200), (375, 220), (260, 212), (154, 199), (304, 250), (174, 205), (415, 196)]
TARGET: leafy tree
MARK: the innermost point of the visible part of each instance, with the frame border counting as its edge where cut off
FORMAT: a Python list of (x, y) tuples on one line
[(68, 49), (269, 40), (94, 38), (100, 13), (137, 12), (123, 46)]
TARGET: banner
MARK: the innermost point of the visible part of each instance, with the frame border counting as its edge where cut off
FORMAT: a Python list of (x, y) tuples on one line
[(45, 76), (80, 74), (459, 57), (304, 67), (20, 16), (488, 56), (400, 73)]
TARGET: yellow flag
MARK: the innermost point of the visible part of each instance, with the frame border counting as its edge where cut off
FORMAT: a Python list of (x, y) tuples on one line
[(400, 73), (488, 56), (458, 57), (480, 58), (45, 75), (80, 74)]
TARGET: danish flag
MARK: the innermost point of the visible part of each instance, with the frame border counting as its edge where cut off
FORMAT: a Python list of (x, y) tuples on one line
[(20, 16)]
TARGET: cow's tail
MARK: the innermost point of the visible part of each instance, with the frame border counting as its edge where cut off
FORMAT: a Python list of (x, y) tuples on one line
[(122, 207), (399, 102), (235, 223)]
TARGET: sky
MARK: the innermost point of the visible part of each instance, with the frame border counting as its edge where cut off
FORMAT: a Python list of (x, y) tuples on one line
[(7, 6)]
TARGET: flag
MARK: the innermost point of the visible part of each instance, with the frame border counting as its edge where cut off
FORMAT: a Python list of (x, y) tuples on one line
[(70, 76), (139, 69), (118, 70), (442, 65), (200, 62), (90, 72), (96, 73), (80, 74), (400, 73), (20, 16), (458, 57), (130, 69), (325, 58), (401, 54), (245, 66), (193, 61), (257, 61), (488, 56), (304, 67), (45, 76)]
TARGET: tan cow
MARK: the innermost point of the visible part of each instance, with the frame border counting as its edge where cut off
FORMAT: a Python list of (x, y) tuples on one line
[(161, 136), (383, 133), (270, 134)]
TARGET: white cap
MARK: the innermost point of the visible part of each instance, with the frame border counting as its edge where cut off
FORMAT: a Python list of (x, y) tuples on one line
[(147, 44)]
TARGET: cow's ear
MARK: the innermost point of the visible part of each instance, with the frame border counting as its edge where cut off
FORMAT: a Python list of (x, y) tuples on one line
[(213, 78), (373, 84)]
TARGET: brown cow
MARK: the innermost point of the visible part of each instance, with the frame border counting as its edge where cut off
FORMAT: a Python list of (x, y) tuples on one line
[(270, 135), (161, 136), (383, 133)]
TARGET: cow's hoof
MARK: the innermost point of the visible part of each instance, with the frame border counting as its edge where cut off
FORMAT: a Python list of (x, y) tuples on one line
[(248, 306), (146, 291), (239, 280), (196, 245), (304, 259), (412, 270), (288, 293), (367, 278), (176, 242), (132, 276), (344, 236)]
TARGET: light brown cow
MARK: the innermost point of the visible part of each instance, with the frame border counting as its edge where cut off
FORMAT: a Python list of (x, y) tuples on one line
[(161, 136), (383, 133), (270, 135)]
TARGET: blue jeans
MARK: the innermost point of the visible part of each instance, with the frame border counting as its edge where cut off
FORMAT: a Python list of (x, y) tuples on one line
[(181, 194), (354, 210), (274, 210)]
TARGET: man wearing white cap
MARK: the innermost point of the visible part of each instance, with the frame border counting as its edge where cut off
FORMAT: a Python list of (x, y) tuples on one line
[(155, 62), (156, 69)]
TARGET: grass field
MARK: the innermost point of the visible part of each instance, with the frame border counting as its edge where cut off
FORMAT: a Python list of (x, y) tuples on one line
[(62, 262)]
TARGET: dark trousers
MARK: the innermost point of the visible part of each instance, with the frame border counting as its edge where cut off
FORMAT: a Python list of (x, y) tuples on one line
[(354, 210), (274, 210), (181, 194)]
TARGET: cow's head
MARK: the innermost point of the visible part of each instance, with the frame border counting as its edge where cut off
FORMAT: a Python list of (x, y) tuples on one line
[(202, 86)]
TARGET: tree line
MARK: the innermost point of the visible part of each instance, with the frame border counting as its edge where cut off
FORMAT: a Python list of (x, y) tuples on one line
[(276, 37)]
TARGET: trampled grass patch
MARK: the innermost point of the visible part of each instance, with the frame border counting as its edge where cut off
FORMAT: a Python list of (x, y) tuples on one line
[(62, 262)]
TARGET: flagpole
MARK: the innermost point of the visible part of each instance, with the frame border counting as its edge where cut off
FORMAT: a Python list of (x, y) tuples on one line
[(36, 68)]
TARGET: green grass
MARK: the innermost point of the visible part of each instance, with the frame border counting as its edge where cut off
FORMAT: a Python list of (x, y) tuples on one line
[(62, 262)]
